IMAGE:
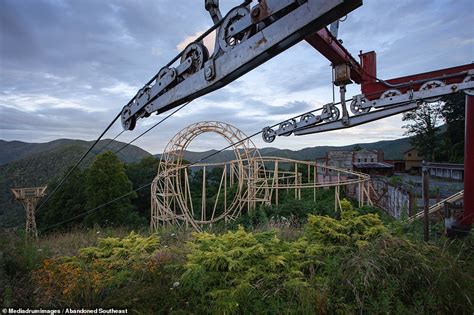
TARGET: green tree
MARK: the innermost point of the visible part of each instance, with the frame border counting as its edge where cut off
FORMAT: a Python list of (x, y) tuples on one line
[(454, 115), (142, 173), (423, 128), (356, 148), (107, 180), (67, 202)]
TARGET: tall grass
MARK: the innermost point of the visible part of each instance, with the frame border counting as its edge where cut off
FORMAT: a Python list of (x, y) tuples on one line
[(348, 265)]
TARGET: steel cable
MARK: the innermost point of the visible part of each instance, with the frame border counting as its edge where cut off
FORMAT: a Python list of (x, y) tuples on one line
[(149, 129), (78, 162)]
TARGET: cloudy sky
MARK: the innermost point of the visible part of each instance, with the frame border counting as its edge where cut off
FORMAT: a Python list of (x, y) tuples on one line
[(68, 66)]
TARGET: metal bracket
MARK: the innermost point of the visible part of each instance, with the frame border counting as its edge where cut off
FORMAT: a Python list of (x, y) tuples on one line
[(420, 95), (345, 113), (212, 6), (391, 103), (209, 70)]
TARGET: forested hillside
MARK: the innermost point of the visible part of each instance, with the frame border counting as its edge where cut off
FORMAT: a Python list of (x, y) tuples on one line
[(32, 164), (17, 150), (42, 163)]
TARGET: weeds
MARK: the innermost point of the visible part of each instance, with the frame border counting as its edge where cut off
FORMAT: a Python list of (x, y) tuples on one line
[(356, 263)]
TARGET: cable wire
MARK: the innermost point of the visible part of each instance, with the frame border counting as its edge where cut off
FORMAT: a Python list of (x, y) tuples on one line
[(78, 162), (105, 146), (146, 185), (123, 147), (149, 129), (112, 140), (96, 208), (225, 148)]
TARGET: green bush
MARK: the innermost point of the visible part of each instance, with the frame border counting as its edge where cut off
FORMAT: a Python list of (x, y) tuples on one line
[(18, 259), (241, 272), (84, 279)]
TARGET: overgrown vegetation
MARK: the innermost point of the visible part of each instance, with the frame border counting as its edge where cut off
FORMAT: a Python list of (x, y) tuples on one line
[(106, 179), (295, 257), (350, 262)]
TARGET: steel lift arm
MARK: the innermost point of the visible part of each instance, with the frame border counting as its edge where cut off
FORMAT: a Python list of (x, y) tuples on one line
[(246, 37)]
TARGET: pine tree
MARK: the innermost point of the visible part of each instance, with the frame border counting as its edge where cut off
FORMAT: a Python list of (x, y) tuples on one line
[(454, 115), (107, 180)]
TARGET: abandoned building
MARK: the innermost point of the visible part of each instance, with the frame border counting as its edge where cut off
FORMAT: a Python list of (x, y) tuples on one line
[(365, 161), (413, 160), (447, 171)]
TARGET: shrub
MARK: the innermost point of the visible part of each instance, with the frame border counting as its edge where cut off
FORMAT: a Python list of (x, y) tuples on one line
[(241, 272), (348, 265), (352, 229), (84, 280)]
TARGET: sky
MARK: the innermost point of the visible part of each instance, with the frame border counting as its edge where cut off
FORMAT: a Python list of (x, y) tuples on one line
[(67, 67)]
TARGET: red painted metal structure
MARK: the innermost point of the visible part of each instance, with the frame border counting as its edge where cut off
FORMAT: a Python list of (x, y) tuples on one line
[(468, 213), (372, 89), (365, 74), (324, 42)]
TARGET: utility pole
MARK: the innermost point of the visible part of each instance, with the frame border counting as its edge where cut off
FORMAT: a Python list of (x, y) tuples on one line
[(29, 197), (426, 202)]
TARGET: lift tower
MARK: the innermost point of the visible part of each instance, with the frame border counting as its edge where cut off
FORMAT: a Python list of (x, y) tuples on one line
[(29, 197)]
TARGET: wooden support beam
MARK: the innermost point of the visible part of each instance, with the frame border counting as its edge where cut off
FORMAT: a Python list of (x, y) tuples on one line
[(276, 182), (203, 197)]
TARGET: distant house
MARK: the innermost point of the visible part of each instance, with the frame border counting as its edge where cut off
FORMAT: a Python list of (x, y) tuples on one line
[(365, 161), (413, 160)]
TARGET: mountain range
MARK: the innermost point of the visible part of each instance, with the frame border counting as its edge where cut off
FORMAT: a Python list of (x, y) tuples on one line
[(25, 164), (393, 150)]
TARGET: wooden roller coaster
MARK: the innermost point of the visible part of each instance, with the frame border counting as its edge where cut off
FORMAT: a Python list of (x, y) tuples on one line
[(238, 185)]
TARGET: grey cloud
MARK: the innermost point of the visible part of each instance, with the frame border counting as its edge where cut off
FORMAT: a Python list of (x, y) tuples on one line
[(52, 120), (409, 36), (290, 108), (76, 51), (115, 36)]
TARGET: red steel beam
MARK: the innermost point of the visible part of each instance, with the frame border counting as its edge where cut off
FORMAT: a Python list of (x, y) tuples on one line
[(468, 213), (324, 42), (365, 72), (373, 89)]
